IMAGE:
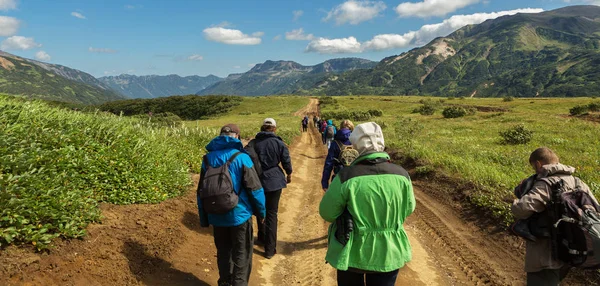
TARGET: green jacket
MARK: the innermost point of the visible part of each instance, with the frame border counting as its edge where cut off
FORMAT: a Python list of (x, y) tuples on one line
[(379, 196)]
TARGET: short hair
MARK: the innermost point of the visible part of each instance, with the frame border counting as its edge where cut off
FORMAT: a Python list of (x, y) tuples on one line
[(268, 128), (347, 124), (544, 155)]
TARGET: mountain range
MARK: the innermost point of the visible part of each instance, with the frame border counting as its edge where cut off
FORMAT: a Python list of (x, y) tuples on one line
[(554, 53), (283, 77), (29, 78), (152, 86)]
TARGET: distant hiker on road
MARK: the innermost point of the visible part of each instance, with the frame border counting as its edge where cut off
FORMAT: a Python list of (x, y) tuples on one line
[(229, 192), (329, 133), (547, 258), (305, 124), (271, 152), (367, 204), (316, 121), (336, 159)]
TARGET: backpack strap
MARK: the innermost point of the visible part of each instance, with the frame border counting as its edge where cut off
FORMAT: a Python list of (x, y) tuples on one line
[(205, 160), (232, 158)]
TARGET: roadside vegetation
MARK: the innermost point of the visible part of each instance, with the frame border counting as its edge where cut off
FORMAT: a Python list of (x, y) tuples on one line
[(490, 143)]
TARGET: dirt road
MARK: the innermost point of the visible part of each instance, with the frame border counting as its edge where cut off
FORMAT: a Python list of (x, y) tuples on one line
[(163, 244)]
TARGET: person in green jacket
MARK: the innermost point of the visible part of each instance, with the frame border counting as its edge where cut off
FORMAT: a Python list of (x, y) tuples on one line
[(374, 197)]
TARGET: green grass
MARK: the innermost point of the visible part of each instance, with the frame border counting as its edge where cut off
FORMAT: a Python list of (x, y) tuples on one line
[(250, 114), (470, 147), (57, 165)]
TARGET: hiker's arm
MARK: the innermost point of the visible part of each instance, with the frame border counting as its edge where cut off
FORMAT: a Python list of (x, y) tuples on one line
[(286, 160), (203, 215), (532, 202), (334, 202), (328, 168), (410, 199), (251, 183)]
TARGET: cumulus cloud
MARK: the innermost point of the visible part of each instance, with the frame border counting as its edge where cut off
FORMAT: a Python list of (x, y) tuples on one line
[(430, 8), (19, 43), (78, 15), (277, 38), (6, 5), (42, 56), (394, 41), (334, 46), (195, 57), (8, 26), (355, 12), (298, 35), (231, 36), (297, 14), (101, 50)]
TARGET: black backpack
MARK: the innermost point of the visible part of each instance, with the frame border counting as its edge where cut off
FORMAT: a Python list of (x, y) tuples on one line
[(216, 188), (575, 225), (251, 149)]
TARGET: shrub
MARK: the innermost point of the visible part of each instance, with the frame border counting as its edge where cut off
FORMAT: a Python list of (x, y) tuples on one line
[(595, 107), (579, 110), (426, 109), (508, 99), (160, 119), (454, 112), (516, 135), (356, 115)]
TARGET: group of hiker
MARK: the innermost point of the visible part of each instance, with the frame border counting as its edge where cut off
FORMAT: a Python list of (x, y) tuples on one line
[(367, 199)]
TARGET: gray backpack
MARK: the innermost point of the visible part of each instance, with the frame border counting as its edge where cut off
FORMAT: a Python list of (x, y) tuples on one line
[(216, 188)]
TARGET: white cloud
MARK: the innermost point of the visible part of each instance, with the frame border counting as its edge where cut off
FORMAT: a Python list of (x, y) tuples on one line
[(430, 8), (394, 41), (237, 67), (258, 34), (101, 50), (231, 37), (298, 35), (334, 46), (78, 15), (6, 5), (8, 26), (355, 12), (297, 14), (277, 38), (42, 56), (195, 57), (19, 43)]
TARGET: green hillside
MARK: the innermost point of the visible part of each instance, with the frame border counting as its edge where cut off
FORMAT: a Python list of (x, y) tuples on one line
[(555, 53)]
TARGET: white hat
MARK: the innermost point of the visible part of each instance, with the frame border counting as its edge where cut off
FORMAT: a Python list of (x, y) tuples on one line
[(367, 138), (269, 122)]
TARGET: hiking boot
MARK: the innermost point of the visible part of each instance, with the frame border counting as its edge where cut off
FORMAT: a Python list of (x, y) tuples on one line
[(269, 256), (521, 228)]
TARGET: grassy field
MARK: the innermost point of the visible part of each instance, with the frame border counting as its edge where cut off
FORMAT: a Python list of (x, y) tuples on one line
[(471, 148), (250, 114)]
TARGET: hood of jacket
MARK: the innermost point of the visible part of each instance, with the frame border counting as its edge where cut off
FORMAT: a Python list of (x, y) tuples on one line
[(224, 143), (556, 169), (368, 138), (329, 122), (343, 135), (264, 135)]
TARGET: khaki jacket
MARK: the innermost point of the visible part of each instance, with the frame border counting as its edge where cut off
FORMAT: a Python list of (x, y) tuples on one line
[(538, 255)]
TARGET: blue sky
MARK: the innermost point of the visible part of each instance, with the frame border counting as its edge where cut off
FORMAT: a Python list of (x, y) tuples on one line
[(110, 37)]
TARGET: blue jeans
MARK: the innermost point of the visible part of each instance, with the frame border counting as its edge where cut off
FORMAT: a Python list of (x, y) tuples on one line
[(348, 278)]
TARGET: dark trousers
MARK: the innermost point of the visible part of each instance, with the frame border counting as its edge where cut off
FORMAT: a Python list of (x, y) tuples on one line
[(234, 253), (348, 278), (267, 232), (547, 277)]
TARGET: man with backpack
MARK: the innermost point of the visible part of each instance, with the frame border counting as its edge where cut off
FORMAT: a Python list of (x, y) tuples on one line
[(563, 215), (341, 154), (271, 151), (322, 130), (305, 124), (229, 192), (329, 133), (367, 204)]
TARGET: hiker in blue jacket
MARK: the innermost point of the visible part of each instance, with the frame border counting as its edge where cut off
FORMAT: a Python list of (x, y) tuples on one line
[(233, 234), (331, 164), (329, 133)]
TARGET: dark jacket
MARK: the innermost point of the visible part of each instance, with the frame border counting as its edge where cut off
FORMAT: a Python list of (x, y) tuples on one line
[(271, 152), (343, 137), (245, 184)]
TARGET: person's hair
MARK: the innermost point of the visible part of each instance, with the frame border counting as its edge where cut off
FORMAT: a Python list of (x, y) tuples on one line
[(268, 128), (347, 124), (544, 155)]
